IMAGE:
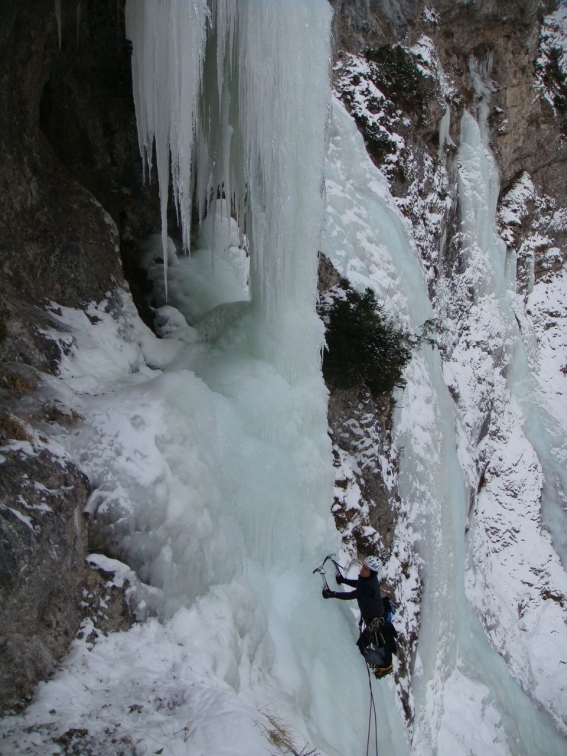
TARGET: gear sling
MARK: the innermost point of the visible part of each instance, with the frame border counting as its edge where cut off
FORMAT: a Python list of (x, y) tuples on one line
[(377, 642)]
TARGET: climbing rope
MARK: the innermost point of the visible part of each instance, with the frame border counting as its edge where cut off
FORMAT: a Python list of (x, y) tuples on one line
[(371, 709)]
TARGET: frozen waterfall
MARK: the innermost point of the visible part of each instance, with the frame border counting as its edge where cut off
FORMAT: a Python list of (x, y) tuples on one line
[(213, 87), (217, 107), (235, 510)]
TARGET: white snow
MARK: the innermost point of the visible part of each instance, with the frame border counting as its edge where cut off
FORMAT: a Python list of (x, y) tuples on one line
[(427, 202), (24, 518)]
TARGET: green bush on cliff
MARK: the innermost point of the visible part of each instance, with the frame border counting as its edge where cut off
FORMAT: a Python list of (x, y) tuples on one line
[(396, 73), (364, 346)]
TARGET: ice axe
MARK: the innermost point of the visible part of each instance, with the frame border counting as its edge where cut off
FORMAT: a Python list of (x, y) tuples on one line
[(321, 569)]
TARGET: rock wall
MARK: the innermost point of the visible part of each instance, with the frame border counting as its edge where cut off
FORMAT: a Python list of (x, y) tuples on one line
[(441, 52), (71, 202)]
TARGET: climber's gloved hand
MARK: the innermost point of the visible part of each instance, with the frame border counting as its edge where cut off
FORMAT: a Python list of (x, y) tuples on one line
[(339, 578), (327, 593)]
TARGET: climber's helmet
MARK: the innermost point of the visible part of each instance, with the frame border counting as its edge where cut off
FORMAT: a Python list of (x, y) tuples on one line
[(373, 563)]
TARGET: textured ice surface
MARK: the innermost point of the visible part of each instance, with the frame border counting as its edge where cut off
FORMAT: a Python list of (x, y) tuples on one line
[(515, 580), (456, 668)]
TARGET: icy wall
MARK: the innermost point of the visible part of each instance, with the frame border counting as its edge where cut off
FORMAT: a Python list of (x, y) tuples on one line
[(370, 243)]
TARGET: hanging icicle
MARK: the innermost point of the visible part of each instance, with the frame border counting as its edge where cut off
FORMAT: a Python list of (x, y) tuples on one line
[(168, 46), (213, 86)]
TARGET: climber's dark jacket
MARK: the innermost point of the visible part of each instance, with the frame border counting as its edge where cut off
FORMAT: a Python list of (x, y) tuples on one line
[(367, 594)]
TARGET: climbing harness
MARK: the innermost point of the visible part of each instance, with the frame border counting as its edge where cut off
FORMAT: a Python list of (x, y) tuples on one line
[(377, 643)]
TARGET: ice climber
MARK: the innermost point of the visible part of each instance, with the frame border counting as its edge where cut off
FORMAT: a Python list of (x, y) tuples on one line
[(367, 590), (377, 639)]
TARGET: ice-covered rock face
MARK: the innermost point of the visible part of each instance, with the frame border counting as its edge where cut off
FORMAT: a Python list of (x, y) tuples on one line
[(475, 301), (505, 411), (506, 428), (360, 241)]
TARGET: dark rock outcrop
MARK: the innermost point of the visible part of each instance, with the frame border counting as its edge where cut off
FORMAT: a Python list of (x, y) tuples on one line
[(71, 183), (360, 426), (72, 201), (358, 25), (42, 568)]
